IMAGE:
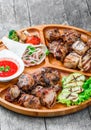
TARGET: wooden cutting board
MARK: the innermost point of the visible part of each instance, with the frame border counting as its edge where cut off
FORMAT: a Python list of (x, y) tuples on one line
[(50, 61)]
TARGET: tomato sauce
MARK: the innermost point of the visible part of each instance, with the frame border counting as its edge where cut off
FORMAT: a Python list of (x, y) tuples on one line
[(12, 68)]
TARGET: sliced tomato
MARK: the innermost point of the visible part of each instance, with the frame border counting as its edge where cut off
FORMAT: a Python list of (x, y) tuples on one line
[(33, 40)]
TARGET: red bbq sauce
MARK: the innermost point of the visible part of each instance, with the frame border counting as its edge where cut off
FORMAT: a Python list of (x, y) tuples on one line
[(7, 68)]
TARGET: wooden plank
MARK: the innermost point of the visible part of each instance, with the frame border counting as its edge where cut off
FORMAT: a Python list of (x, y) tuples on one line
[(89, 110), (46, 11), (89, 6), (76, 121), (72, 11), (7, 19), (21, 13), (77, 13), (89, 10), (14, 121), (13, 16), (85, 15)]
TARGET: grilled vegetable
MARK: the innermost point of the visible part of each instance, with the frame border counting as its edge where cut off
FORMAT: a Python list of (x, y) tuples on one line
[(86, 94), (74, 80), (13, 35), (72, 86)]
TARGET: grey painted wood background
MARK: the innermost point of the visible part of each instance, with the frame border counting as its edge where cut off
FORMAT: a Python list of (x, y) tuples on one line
[(17, 14)]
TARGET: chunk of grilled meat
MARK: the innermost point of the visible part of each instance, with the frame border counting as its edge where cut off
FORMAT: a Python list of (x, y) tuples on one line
[(52, 34), (47, 77), (48, 97), (72, 60), (70, 36), (89, 43), (85, 62), (26, 82), (12, 93), (37, 91), (80, 47), (38, 77), (57, 87), (58, 49), (51, 76), (29, 101)]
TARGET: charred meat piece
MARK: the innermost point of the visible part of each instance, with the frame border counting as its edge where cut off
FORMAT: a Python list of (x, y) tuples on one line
[(29, 101), (25, 82), (58, 49), (12, 93), (48, 97), (52, 34), (70, 36), (38, 77), (71, 60), (57, 87), (47, 77), (37, 91), (85, 62), (80, 47), (51, 76), (89, 43)]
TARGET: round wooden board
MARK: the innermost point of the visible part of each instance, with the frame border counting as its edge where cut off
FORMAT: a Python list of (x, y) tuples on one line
[(58, 109)]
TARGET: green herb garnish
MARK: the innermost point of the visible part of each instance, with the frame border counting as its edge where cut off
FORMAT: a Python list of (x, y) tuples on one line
[(47, 52), (31, 50), (4, 69), (7, 68), (1, 68)]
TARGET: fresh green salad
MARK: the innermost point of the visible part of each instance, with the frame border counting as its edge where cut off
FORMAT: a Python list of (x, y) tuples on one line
[(76, 89)]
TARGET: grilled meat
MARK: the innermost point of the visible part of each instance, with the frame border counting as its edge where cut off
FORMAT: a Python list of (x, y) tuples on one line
[(70, 36), (71, 60), (85, 62), (37, 91), (79, 47), (12, 93), (52, 34), (38, 77), (57, 87), (47, 77), (58, 49), (25, 82), (51, 76), (89, 43), (48, 97), (29, 101)]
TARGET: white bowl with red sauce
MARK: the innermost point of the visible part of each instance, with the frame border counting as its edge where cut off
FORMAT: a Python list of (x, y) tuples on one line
[(11, 65)]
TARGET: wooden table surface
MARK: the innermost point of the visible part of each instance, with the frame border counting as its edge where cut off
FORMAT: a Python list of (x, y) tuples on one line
[(17, 14)]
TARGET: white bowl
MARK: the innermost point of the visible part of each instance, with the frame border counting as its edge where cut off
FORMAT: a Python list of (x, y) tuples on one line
[(6, 54)]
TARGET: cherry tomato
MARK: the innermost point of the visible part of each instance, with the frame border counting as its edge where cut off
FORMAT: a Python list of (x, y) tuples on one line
[(33, 40)]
